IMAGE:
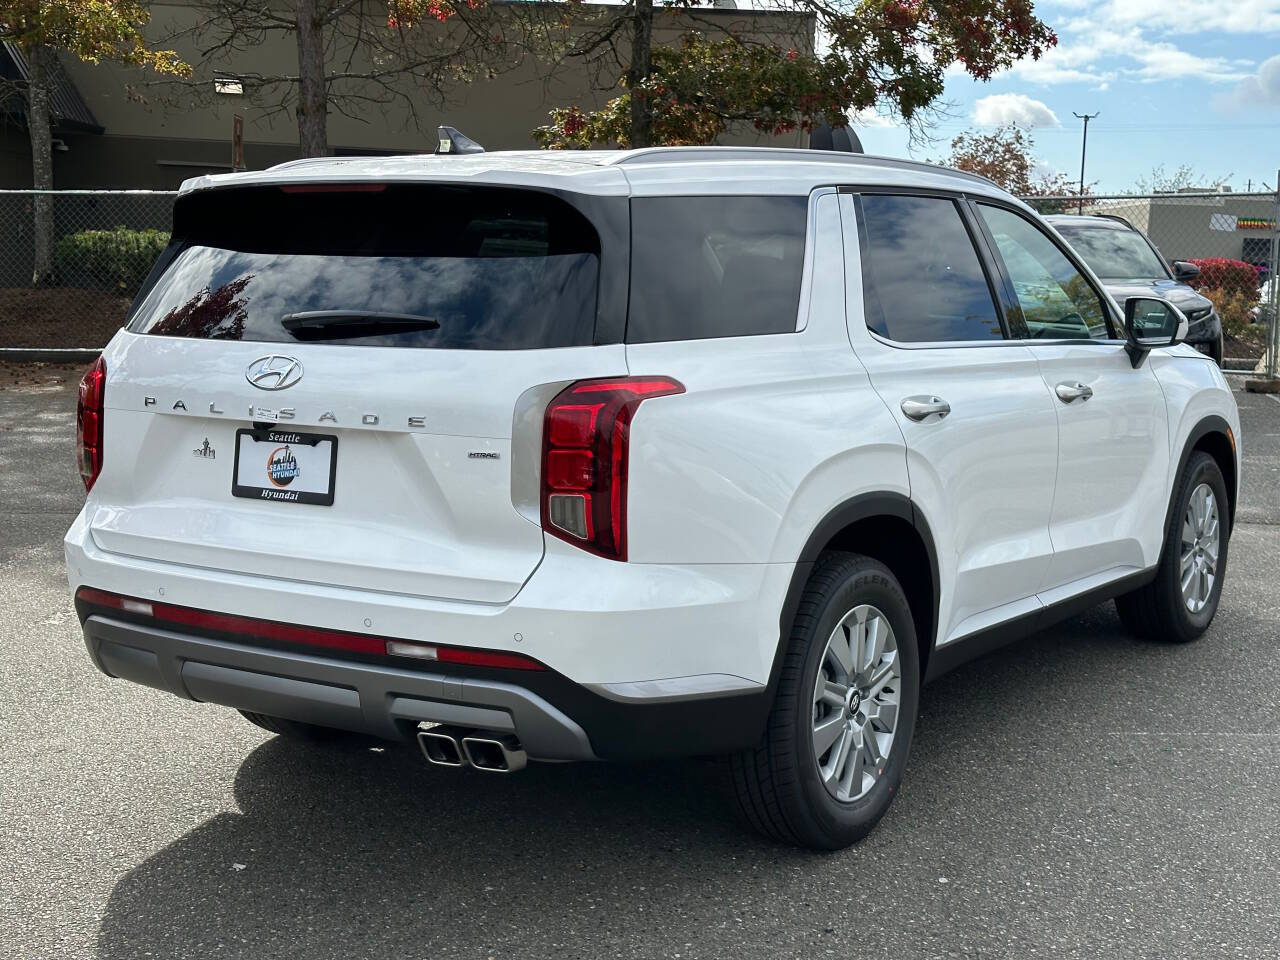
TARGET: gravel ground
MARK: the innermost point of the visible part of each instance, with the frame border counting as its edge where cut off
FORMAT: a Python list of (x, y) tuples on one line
[(1080, 794)]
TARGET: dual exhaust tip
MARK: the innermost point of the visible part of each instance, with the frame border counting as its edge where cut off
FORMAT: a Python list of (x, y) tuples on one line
[(492, 753)]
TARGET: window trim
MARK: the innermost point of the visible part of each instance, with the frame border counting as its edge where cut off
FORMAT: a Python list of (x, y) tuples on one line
[(959, 201), (1114, 326)]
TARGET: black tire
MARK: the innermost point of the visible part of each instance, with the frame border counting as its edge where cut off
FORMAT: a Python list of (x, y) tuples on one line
[(777, 785), (1157, 611), (293, 729)]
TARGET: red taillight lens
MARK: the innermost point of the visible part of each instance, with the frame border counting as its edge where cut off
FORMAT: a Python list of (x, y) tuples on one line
[(585, 440), (89, 422)]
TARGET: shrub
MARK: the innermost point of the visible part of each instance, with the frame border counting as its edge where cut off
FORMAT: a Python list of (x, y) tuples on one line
[(118, 259), (1233, 309), (1229, 276)]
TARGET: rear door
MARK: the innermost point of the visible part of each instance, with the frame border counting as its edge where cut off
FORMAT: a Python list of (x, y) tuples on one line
[(1113, 433), (981, 432), (321, 386)]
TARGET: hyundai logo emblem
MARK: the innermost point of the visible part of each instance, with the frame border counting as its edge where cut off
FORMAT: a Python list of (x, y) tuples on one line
[(274, 372)]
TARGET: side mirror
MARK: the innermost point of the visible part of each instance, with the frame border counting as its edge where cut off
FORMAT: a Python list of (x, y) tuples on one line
[(1151, 322), (1185, 271)]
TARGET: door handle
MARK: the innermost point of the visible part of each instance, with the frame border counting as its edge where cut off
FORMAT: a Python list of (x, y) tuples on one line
[(1069, 391), (925, 409)]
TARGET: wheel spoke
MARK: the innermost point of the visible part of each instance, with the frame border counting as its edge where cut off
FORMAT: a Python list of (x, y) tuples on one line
[(886, 672), (871, 746), (851, 776), (839, 647), (884, 716), (877, 632), (826, 732), (839, 756), (831, 694)]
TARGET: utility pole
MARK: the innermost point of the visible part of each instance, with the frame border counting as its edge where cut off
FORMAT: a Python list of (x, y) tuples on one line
[(1084, 144)]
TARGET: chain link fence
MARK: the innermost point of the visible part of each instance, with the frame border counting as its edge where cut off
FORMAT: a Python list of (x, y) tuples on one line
[(1232, 237), (101, 247)]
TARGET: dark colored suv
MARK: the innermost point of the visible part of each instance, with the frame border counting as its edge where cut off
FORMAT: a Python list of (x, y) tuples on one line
[(1130, 266)]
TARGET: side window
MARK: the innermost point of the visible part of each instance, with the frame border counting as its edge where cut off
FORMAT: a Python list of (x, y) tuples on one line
[(1054, 299), (706, 267), (921, 277)]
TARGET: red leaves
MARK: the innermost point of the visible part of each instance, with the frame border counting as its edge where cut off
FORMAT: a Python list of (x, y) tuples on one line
[(1230, 276)]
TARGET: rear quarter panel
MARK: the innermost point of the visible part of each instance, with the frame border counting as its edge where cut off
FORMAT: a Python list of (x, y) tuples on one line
[(772, 433)]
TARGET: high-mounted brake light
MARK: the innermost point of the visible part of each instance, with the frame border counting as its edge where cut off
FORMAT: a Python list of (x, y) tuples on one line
[(333, 187), (93, 388), (252, 628), (585, 451)]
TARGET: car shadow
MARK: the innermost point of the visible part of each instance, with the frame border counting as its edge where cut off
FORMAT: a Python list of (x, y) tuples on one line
[(356, 849)]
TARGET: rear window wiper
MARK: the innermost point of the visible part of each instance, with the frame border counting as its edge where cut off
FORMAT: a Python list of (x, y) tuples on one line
[(348, 324)]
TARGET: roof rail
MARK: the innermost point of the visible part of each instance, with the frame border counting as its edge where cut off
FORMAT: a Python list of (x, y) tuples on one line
[(694, 154)]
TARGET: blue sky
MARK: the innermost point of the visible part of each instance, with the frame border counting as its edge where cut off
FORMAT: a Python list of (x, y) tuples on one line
[(1174, 82)]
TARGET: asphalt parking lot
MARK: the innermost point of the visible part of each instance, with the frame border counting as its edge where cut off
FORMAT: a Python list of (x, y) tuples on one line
[(1080, 794)]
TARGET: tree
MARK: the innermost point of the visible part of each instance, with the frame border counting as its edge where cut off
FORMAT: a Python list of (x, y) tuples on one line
[(352, 55), (93, 31), (887, 53), (1183, 178), (1006, 157)]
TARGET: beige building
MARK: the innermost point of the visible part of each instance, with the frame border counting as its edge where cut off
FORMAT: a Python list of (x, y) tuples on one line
[(1197, 227), (106, 138)]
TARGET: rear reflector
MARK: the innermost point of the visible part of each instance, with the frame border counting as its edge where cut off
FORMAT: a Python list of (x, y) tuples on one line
[(252, 628)]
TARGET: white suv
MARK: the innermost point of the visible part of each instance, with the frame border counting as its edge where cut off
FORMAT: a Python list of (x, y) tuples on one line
[(602, 455)]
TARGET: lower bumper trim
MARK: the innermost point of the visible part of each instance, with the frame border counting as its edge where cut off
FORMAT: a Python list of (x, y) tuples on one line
[(378, 700)]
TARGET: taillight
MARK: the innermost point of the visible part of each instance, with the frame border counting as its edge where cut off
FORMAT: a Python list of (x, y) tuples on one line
[(585, 439), (93, 387)]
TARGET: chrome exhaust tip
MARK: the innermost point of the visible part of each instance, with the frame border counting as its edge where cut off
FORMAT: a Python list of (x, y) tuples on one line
[(495, 754), (441, 748)]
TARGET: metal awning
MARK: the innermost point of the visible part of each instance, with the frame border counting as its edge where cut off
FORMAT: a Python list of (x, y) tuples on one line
[(70, 112)]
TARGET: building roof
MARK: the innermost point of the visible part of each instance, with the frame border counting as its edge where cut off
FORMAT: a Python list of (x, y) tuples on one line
[(67, 105), (654, 171)]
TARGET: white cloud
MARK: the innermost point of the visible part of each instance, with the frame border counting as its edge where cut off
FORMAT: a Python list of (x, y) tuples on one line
[(1192, 16), (866, 119), (1262, 89), (1002, 108), (1128, 38)]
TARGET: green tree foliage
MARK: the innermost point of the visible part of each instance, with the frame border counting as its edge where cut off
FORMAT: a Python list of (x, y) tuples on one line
[(93, 31), (887, 54)]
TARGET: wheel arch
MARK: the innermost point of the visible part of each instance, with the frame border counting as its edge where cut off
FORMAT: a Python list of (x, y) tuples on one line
[(1212, 435), (887, 527)]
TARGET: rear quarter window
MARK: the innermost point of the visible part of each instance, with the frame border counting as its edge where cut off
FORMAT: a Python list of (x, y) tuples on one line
[(705, 267)]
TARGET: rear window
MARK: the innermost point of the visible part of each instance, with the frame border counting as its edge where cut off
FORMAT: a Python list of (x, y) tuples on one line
[(704, 267), (405, 266)]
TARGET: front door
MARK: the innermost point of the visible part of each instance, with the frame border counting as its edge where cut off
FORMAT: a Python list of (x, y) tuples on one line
[(1113, 434)]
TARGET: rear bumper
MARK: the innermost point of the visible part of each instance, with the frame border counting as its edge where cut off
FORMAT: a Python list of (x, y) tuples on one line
[(377, 700), (552, 717), (631, 631)]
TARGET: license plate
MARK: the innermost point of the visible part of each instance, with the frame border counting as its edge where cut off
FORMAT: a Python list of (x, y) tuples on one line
[(274, 464)]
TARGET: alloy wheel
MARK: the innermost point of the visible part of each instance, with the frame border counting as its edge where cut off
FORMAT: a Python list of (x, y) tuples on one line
[(1201, 543), (856, 699)]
